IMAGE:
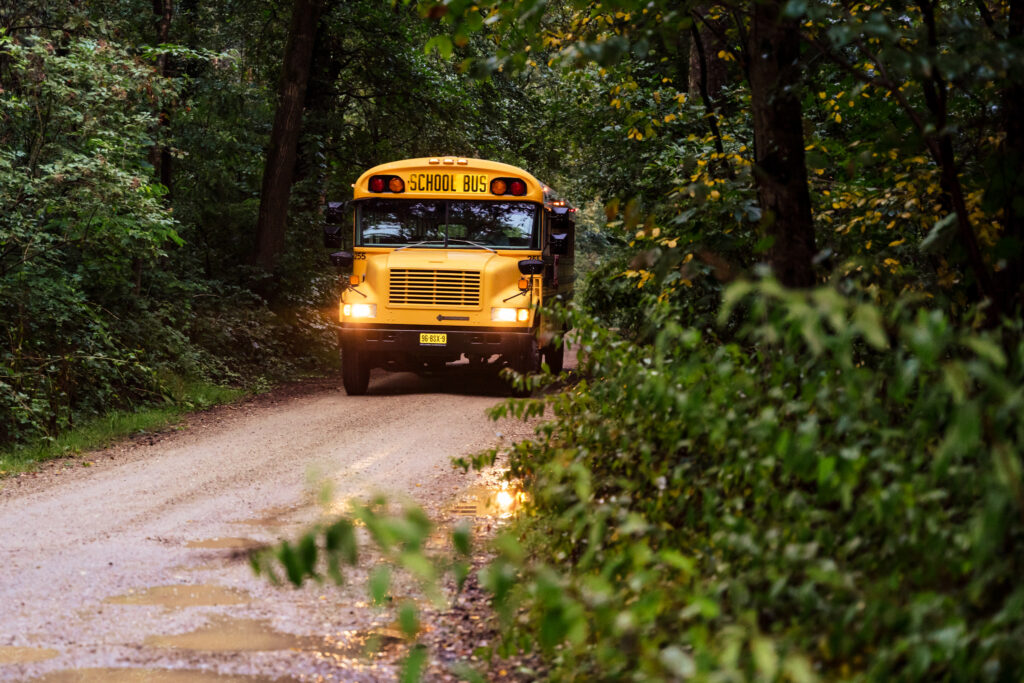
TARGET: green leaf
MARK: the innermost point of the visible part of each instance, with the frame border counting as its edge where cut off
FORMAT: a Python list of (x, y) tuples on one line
[(678, 662), (940, 236), (380, 584), (340, 540), (766, 659), (462, 538), (987, 350), (441, 43), (414, 664), (408, 619), (869, 322)]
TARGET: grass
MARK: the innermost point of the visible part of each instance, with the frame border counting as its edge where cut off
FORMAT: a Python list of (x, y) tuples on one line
[(107, 429)]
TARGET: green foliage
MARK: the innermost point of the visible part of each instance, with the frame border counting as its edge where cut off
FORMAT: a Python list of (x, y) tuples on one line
[(401, 539), (80, 214), (838, 493), (99, 432)]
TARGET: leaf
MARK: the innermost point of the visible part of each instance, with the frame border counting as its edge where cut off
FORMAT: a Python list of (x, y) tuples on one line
[(414, 664), (292, 563), (340, 540), (987, 350), (766, 659), (869, 322), (677, 661), (441, 43), (408, 619), (940, 236), (462, 539), (380, 583)]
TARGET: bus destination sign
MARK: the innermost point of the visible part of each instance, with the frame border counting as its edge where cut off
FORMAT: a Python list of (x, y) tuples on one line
[(464, 183)]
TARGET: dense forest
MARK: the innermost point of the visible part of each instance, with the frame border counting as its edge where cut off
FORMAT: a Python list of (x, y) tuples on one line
[(793, 447), (162, 172)]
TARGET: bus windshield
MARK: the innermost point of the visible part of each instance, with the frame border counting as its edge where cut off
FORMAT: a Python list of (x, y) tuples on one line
[(441, 223)]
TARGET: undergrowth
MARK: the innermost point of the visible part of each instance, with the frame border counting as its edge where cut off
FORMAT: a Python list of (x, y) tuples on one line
[(99, 432)]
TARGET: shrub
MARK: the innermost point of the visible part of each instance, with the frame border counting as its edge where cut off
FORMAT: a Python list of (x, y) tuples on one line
[(838, 492)]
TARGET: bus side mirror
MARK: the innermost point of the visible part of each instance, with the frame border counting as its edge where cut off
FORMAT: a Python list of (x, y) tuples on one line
[(332, 236), (531, 266), (336, 213), (342, 260), (560, 244)]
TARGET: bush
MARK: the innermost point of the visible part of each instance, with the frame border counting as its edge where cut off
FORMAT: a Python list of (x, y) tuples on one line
[(836, 493)]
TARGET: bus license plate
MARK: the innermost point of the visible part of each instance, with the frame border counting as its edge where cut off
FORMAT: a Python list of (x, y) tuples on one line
[(433, 339)]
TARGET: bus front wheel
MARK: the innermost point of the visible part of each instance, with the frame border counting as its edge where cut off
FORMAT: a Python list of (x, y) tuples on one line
[(527, 362), (554, 356), (355, 371)]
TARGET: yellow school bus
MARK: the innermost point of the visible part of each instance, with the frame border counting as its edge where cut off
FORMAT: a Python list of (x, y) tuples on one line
[(450, 258)]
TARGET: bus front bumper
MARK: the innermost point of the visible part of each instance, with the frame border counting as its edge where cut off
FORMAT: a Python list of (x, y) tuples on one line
[(423, 340)]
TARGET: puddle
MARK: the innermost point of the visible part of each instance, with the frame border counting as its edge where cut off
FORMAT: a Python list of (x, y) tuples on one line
[(182, 596), (224, 634), (271, 517), (485, 501), (146, 676), (227, 543), (24, 655)]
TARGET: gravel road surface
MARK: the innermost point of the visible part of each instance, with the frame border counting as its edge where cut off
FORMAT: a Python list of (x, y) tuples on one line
[(130, 564)]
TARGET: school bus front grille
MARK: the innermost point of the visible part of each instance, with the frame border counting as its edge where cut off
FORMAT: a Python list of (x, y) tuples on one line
[(409, 286)]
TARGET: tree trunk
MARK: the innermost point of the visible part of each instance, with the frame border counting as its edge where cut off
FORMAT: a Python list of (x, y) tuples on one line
[(159, 155), (284, 138), (707, 74), (1010, 281), (710, 103), (780, 171)]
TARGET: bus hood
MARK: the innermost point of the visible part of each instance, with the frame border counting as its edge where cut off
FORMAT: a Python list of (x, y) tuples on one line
[(440, 259)]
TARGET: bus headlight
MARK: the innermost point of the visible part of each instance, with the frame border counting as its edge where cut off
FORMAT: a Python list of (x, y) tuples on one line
[(510, 315), (359, 310)]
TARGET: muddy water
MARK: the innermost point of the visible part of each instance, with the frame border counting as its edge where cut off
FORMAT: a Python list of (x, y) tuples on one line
[(146, 676), (128, 523), (226, 634), (176, 597), (271, 517), (227, 544), (486, 501), (24, 655)]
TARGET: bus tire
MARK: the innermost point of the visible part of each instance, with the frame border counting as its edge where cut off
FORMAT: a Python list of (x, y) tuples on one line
[(527, 363), (355, 371), (554, 356)]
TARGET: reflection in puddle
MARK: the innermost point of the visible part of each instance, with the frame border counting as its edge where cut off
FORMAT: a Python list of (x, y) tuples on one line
[(483, 501), (145, 676), (230, 635), (227, 543), (182, 596), (24, 655), (223, 634)]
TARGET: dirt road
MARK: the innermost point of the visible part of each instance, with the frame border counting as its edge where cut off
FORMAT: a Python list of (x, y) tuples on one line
[(130, 563)]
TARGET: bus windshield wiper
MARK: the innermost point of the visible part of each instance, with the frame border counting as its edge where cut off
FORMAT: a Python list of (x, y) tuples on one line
[(445, 242), (475, 244), (419, 244)]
